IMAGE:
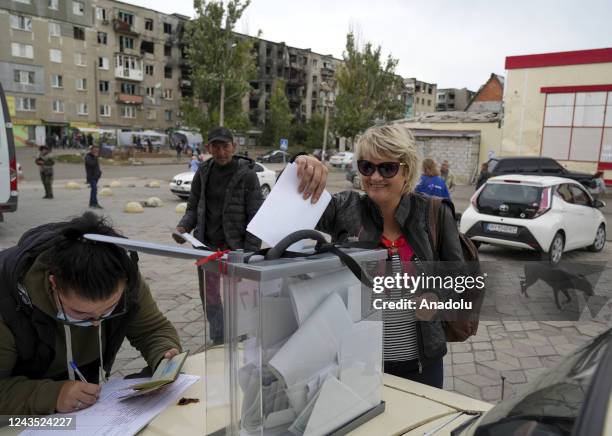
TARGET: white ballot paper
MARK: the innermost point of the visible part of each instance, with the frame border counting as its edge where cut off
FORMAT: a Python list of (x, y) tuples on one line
[(192, 240), (314, 345), (335, 405), (360, 360), (112, 417), (285, 211), (307, 295)]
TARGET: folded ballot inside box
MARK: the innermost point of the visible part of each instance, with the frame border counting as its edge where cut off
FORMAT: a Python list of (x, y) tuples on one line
[(167, 371), (306, 350)]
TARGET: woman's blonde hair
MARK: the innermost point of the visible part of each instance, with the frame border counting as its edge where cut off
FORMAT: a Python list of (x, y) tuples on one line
[(430, 168), (391, 141)]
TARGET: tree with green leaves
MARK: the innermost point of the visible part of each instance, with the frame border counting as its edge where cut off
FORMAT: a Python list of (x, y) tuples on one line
[(368, 89), (221, 65), (278, 124), (308, 135), (314, 131)]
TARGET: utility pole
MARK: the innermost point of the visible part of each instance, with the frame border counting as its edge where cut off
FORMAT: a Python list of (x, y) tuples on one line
[(222, 102), (325, 132), (230, 53), (327, 102)]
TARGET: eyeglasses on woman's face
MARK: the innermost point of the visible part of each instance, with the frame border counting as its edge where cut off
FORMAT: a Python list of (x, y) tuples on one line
[(387, 170), (82, 318)]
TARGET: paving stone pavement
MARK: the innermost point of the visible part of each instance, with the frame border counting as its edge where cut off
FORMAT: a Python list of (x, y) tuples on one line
[(518, 351)]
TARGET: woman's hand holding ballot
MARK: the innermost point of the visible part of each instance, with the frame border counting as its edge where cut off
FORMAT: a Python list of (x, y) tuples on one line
[(312, 175)]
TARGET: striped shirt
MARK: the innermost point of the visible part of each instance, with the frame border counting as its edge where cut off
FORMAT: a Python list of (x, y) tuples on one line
[(399, 326)]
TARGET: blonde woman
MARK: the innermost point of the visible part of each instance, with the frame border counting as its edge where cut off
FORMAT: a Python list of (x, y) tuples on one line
[(391, 215), (431, 183)]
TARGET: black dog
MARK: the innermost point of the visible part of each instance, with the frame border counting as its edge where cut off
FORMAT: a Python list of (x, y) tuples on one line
[(560, 280)]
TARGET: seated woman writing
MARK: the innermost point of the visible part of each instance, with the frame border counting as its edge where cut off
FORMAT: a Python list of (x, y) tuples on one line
[(66, 306)]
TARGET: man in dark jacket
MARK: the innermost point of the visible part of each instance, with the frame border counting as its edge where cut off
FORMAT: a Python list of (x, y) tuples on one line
[(225, 195), (93, 174), (45, 164)]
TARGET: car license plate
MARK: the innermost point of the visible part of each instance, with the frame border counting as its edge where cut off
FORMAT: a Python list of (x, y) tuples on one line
[(501, 228)]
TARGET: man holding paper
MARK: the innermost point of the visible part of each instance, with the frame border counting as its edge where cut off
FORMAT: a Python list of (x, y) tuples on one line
[(66, 306), (225, 195)]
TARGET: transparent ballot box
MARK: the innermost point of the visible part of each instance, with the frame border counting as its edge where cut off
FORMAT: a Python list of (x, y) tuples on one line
[(302, 351)]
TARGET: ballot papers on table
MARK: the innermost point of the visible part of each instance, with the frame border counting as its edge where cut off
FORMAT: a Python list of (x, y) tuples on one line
[(285, 211), (112, 417), (167, 371)]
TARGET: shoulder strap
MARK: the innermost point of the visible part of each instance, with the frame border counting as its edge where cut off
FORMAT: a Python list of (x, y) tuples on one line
[(349, 262), (435, 204), (280, 250)]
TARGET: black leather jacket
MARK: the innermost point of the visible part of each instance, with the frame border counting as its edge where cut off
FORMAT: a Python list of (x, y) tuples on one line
[(242, 201), (351, 214)]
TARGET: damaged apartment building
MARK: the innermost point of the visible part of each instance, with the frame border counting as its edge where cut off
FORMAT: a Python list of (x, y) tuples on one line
[(308, 77), (105, 64), (98, 64)]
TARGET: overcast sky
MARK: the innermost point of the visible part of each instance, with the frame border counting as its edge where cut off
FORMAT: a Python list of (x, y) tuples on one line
[(454, 43)]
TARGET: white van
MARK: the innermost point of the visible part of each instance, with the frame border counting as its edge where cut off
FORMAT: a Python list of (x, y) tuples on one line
[(8, 161)]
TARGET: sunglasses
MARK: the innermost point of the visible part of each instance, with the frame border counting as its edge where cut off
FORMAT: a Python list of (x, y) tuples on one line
[(111, 312), (385, 169)]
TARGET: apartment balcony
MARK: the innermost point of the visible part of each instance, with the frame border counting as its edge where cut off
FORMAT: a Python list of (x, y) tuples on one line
[(327, 76), (128, 98), (296, 81), (172, 62), (123, 27), (133, 51), (129, 74), (294, 98)]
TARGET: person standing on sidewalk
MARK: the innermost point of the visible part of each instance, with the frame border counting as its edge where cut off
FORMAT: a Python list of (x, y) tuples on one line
[(483, 176), (194, 164), (431, 183), (225, 195), (93, 174), (447, 175), (598, 191), (45, 164), (178, 147)]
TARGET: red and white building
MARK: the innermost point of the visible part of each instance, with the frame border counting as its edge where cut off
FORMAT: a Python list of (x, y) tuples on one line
[(560, 105)]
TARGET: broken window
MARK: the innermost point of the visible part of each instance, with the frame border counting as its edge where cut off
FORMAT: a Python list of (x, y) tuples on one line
[(147, 47)]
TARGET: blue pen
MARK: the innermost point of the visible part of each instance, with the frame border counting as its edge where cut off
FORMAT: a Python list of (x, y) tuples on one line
[(79, 373)]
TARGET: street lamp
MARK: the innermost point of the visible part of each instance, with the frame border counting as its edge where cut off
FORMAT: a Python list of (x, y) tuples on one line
[(328, 102)]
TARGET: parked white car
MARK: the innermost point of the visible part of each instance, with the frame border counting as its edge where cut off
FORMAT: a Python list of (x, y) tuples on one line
[(342, 159), (181, 183), (550, 215)]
